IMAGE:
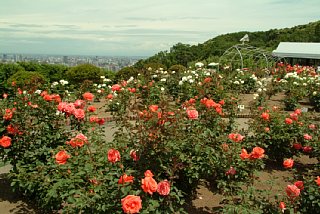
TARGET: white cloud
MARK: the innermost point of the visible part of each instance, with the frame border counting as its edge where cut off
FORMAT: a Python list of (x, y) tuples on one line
[(141, 26)]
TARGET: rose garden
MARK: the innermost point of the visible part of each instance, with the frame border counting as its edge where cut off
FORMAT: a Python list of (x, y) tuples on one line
[(172, 130)]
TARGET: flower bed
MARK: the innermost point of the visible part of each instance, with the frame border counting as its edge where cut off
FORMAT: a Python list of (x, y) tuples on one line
[(170, 133)]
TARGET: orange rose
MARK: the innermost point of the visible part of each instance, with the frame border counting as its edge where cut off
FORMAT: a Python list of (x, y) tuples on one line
[(62, 157), (148, 173), (131, 204), (5, 141), (257, 153), (113, 155), (292, 191), (88, 96), (244, 154), (163, 187), (125, 179), (149, 185), (288, 163)]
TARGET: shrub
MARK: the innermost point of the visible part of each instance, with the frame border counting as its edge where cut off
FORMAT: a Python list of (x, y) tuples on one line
[(25, 78), (80, 73)]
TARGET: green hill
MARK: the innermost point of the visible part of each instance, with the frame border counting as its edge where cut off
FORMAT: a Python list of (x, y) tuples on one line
[(210, 50)]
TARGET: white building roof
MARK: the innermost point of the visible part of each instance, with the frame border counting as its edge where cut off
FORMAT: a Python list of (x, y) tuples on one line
[(298, 50)]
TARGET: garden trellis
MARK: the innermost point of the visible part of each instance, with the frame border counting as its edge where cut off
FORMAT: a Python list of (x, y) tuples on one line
[(245, 56)]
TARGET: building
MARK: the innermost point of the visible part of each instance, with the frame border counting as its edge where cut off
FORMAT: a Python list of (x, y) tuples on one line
[(299, 53)]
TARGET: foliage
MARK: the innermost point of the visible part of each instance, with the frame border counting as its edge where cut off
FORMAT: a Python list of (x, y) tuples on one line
[(23, 78), (269, 40), (170, 131), (80, 73), (125, 73)]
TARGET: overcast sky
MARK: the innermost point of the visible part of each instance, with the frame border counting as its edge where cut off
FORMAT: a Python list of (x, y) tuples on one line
[(137, 27)]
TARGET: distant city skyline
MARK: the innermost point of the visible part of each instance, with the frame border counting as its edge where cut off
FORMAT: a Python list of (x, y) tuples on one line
[(111, 63), (137, 28)]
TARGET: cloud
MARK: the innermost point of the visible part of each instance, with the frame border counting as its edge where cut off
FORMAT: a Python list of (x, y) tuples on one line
[(140, 26)]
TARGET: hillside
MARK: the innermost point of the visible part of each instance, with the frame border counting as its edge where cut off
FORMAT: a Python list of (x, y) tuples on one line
[(210, 50)]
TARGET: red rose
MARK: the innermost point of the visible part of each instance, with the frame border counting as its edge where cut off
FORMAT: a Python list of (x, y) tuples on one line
[(312, 126), (12, 129), (297, 146), (131, 204), (100, 121), (231, 171), (153, 108), (192, 114), (92, 109), (163, 187), (292, 191), (5, 141), (288, 121), (133, 155), (79, 113), (298, 111), (116, 87), (125, 179), (294, 116), (79, 103), (221, 102), (307, 137), (8, 114), (113, 155), (109, 96), (265, 116), (288, 163), (299, 184), (62, 157), (235, 137), (208, 79), (93, 119), (317, 180), (307, 149), (282, 206), (88, 96)]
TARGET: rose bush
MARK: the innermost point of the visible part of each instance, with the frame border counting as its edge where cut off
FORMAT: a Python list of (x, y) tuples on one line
[(166, 140)]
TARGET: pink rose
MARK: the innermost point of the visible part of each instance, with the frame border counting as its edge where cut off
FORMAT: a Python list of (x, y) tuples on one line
[(113, 155), (163, 187), (192, 114), (79, 113)]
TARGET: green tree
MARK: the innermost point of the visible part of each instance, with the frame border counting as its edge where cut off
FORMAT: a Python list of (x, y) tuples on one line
[(80, 73)]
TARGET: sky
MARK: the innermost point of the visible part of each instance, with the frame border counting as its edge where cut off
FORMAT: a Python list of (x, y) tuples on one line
[(137, 27)]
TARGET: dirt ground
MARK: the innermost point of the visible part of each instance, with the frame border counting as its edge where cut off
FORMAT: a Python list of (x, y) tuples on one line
[(206, 201)]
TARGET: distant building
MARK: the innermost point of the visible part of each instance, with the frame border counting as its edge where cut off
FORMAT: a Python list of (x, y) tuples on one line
[(299, 53), (65, 59)]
